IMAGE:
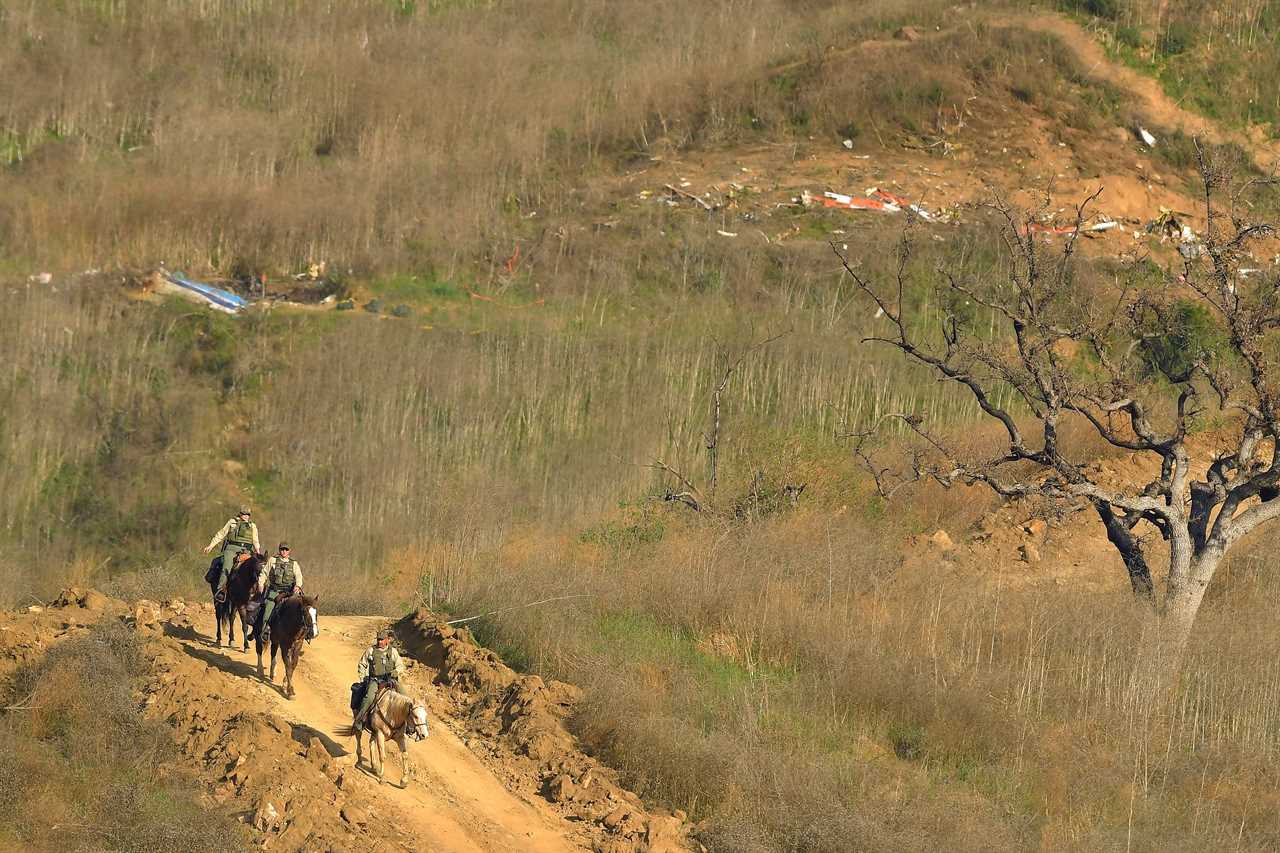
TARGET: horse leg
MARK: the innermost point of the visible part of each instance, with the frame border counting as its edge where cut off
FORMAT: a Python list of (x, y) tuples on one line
[(274, 648), (379, 744), (290, 661), (244, 629), (359, 740), (406, 769), (294, 653)]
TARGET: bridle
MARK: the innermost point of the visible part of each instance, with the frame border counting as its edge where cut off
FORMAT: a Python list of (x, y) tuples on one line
[(418, 731)]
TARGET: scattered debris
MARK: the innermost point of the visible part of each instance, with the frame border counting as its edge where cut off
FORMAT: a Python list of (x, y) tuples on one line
[(831, 199), (1052, 230), (727, 233), (875, 192), (314, 272), (1147, 138), (40, 278), (706, 205), (848, 144)]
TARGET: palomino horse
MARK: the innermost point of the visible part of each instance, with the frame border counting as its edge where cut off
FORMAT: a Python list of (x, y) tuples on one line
[(240, 589), (392, 717), (295, 620)]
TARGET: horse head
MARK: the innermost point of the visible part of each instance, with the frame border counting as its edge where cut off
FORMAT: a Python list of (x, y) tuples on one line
[(416, 725), (311, 619)]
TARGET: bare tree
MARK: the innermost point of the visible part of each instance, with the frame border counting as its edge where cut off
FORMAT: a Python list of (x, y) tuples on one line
[(1142, 365), (727, 364)]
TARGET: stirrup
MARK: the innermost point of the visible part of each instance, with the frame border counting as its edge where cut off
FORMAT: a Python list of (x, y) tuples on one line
[(221, 595)]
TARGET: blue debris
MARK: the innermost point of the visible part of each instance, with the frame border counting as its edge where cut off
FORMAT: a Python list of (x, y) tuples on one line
[(215, 297)]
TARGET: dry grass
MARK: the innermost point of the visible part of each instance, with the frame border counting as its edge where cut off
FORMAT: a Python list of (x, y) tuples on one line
[(80, 769), (263, 135), (791, 686), (781, 678)]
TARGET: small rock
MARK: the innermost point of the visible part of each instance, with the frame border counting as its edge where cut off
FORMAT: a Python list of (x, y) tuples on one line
[(907, 34), (560, 788), (266, 817), (614, 819), (1028, 553), (354, 816), (1035, 527), (663, 835), (680, 815), (941, 540)]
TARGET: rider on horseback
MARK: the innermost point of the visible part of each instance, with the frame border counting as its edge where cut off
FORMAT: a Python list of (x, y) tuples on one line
[(237, 535), (380, 666), (280, 578)]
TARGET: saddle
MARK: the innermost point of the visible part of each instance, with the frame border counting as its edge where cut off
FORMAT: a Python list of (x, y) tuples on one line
[(379, 688)]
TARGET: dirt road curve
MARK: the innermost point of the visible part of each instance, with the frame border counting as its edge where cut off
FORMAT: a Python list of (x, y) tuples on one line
[(454, 804)]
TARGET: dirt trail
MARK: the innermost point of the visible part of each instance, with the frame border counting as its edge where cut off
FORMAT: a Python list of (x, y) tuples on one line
[(499, 771), (455, 803), (1155, 105)]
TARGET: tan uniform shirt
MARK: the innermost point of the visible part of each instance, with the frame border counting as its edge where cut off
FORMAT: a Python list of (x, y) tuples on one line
[(230, 526), (362, 668), (265, 574)]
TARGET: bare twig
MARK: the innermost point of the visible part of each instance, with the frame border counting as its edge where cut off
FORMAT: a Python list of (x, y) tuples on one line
[(516, 607)]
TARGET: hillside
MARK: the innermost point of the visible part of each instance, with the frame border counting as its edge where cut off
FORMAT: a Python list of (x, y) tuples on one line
[(537, 285)]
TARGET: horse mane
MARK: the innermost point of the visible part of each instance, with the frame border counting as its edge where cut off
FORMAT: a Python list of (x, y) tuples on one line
[(400, 704)]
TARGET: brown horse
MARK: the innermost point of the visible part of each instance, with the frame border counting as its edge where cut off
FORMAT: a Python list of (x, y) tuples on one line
[(392, 717), (295, 621), (241, 586)]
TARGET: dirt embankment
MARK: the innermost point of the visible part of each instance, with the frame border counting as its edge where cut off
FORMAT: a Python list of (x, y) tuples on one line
[(498, 773)]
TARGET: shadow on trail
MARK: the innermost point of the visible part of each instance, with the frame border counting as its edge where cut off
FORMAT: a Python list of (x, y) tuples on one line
[(184, 632), (303, 733), (219, 660)]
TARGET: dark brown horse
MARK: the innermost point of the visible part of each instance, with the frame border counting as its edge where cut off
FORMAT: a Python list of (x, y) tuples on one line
[(296, 621), (241, 586)]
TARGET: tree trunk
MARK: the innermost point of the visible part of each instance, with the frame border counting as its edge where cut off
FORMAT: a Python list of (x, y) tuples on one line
[(1164, 643)]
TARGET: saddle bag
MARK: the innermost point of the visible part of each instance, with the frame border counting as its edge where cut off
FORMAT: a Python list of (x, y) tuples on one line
[(355, 695)]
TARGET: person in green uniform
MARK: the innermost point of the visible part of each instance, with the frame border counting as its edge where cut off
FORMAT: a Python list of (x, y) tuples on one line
[(280, 578), (238, 534), (379, 665)]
